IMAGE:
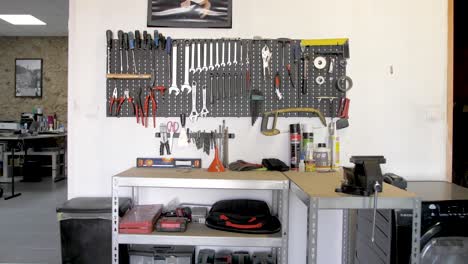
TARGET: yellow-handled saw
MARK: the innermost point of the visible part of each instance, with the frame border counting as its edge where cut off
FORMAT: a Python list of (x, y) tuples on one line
[(273, 131)]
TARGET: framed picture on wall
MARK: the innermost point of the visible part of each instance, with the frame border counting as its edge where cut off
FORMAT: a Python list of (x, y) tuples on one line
[(190, 13), (28, 77)]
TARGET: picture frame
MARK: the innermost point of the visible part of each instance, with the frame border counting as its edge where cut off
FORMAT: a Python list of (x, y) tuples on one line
[(28, 77), (190, 13)]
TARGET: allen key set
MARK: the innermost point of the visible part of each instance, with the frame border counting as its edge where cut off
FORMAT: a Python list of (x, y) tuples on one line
[(151, 75)]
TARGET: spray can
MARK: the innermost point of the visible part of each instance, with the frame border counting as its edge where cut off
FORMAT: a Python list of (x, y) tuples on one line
[(295, 142)]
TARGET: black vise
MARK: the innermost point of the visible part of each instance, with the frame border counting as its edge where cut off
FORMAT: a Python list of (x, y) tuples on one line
[(362, 179)]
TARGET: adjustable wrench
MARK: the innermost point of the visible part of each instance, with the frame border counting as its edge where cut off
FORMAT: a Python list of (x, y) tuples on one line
[(229, 54), (211, 67), (235, 52), (204, 112), (222, 55), (174, 87), (217, 55), (192, 64), (186, 84), (194, 114), (198, 57), (204, 68)]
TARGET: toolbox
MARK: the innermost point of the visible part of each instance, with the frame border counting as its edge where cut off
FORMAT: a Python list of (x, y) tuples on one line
[(146, 254), (172, 224), (140, 219)]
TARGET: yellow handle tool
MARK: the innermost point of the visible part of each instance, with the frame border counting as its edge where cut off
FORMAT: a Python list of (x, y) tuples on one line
[(273, 131)]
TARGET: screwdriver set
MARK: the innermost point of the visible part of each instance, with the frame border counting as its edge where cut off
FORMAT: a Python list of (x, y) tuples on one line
[(150, 75)]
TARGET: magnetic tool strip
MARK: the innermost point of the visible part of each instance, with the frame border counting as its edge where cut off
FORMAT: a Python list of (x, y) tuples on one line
[(170, 105)]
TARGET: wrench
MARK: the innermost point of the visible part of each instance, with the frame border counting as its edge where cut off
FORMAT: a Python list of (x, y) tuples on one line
[(217, 56), (235, 52), (198, 58), (211, 88), (194, 114), (211, 67), (229, 54), (204, 112), (241, 63), (217, 86), (222, 56), (174, 87), (204, 57), (192, 67), (186, 84)]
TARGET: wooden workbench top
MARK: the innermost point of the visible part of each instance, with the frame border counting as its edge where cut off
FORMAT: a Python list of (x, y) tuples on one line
[(203, 174), (323, 184)]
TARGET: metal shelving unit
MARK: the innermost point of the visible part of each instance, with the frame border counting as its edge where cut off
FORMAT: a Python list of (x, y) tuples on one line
[(317, 192), (198, 234)]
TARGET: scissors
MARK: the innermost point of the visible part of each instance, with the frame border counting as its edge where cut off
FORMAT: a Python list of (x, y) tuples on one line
[(172, 127)]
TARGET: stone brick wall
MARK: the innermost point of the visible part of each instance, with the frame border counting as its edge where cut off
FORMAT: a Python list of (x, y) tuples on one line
[(54, 53)]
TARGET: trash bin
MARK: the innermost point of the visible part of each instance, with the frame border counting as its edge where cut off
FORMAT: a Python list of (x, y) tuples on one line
[(86, 230), (31, 170)]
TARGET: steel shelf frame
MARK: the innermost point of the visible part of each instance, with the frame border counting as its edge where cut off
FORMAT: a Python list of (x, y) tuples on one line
[(316, 203), (198, 234)]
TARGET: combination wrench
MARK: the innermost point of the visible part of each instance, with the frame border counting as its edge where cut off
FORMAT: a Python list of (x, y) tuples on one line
[(229, 54), (211, 67), (194, 114), (198, 57), (174, 87), (222, 56), (192, 65), (186, 84), (204, 68), (235, 53), (204, 112), (217, 55)]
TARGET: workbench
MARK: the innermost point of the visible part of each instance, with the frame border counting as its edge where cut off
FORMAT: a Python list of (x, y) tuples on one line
[(317, 192), (198, 234), (13, 141)]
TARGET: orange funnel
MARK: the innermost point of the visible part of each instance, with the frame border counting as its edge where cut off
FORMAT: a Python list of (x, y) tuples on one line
[(216, 165)]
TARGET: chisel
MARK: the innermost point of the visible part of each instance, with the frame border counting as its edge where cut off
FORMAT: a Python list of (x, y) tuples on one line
[(120, 36), (109, 47)]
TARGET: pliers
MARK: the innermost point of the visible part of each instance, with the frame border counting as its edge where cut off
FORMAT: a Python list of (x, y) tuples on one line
[(164, 143), (154, 107), (121, 100), (112, 100), (139, 107), (130, 100)]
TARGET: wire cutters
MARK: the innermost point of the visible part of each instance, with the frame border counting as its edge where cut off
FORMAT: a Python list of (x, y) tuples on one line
[(139, 107), (112, 100), (154, 106)]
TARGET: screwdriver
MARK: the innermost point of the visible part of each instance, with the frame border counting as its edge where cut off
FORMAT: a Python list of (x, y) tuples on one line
[(131, 42), (145, 37), (168, 49), (120, 36), (109, 47), (137, 39), (125, 44), (277, 86), (156, 39)]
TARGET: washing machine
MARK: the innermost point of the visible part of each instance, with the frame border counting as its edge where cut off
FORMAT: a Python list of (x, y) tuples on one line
[(444, 228)]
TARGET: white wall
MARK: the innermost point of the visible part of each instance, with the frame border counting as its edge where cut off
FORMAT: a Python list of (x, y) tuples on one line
[(401, 116)]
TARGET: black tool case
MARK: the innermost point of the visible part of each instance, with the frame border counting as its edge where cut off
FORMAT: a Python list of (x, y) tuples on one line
[(144, 254)]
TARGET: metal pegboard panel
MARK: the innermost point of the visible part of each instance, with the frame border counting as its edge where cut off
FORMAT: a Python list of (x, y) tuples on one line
[(230, 79)]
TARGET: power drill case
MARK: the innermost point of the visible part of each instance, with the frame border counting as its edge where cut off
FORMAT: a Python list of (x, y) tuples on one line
[(243, 216)]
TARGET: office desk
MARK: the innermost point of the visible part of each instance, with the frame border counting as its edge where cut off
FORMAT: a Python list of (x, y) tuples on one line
[(12, 141)]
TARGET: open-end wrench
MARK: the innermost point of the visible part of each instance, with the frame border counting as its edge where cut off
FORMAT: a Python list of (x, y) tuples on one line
[(204, 112), (217, 55), (198, 57), (192, 64), (229, 84), (241, 63), (211, 67), (235, 52), (193, 117), (222, 55), (205, 51), (174, 87), (224, 85), (217, 86), (235, 84), (186, 84), (229, 54), (211, 88)]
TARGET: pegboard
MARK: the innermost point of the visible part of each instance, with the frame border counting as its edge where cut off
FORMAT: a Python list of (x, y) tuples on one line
[(227, 80)]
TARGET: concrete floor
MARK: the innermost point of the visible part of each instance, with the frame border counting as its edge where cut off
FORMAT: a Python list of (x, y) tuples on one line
[(29, 231)]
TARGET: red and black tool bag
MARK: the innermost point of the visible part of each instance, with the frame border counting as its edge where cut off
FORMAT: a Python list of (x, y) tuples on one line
[(243, 216)]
